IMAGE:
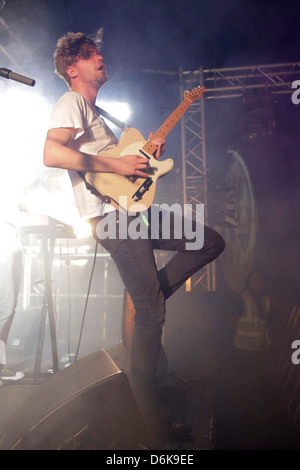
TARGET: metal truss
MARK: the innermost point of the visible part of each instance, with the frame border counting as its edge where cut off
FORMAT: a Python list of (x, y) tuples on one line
[(224, 83), (233, 82), (194, 167)]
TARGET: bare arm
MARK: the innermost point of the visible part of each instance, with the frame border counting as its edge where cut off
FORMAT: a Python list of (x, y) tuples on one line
[(57, 154)]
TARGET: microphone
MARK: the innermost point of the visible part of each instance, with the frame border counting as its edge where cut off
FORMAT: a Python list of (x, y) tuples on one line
[(5, 73)]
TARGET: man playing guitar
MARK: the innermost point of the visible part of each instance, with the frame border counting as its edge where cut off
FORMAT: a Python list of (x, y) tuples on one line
[(76, 141)]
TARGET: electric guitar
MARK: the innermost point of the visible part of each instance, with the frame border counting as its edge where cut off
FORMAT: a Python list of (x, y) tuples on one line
[(132, 194)]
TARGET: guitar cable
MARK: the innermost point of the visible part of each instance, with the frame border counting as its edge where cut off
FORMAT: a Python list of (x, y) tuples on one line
[(86, 300), (122, 126)]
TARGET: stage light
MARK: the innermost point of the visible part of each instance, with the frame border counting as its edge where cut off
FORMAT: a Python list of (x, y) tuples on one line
[(257, 120), (23, 121), (120, 110), (26, 182), (82, 229), (27, 185)]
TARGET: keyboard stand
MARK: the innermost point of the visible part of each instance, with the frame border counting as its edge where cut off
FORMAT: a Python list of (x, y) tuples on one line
[(47, 307), (48, 230)]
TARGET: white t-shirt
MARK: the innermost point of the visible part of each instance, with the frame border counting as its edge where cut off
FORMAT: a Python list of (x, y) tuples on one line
[(92, 137)]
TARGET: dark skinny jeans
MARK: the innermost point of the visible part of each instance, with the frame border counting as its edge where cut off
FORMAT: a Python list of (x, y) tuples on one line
[(149, 287)]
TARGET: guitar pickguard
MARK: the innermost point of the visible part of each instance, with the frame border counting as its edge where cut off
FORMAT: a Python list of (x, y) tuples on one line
[(140, 192)]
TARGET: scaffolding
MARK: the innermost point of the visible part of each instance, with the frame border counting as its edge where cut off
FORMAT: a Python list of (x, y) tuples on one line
[(221, 83)]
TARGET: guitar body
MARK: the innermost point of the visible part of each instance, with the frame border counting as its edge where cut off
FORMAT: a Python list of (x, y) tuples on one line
[(132, 194), (121, 191)]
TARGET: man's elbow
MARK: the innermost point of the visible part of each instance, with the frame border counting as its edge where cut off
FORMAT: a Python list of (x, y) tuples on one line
[(47, 157), (47, 161)]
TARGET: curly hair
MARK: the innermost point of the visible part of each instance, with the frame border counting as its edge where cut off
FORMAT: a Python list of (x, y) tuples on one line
[(74, 46)]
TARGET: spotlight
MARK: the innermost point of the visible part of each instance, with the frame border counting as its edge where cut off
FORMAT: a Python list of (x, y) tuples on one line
[(24, 121), (120, 110), (82, 229)]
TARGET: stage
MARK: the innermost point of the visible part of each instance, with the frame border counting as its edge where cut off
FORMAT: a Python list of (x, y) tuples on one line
[(28, 403), (92, 407)]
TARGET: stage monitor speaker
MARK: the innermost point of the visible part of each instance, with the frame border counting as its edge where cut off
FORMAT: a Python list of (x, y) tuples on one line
[(86, 406)]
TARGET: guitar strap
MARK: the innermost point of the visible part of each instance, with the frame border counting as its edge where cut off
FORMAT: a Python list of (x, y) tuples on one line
[(118, 123)]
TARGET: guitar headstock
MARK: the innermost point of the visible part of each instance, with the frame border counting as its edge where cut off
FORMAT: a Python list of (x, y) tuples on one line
[(195, 94)]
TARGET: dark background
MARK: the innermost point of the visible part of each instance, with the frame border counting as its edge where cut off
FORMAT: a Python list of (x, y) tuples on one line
[(142, 37), (165, 36)]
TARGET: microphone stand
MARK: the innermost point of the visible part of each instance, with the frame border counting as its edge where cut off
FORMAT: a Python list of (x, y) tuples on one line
[(6, 73)]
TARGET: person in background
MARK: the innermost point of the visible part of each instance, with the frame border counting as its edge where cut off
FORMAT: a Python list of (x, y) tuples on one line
[(251, 328), (246, 396), (10, 277)]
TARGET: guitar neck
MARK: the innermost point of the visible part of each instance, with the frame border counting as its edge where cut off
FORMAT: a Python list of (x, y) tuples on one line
[(168, 125)]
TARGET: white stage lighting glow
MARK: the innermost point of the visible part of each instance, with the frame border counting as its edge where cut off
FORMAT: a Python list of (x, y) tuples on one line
[(82, 229), (26, 182), (120, 110), (24, 119)]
